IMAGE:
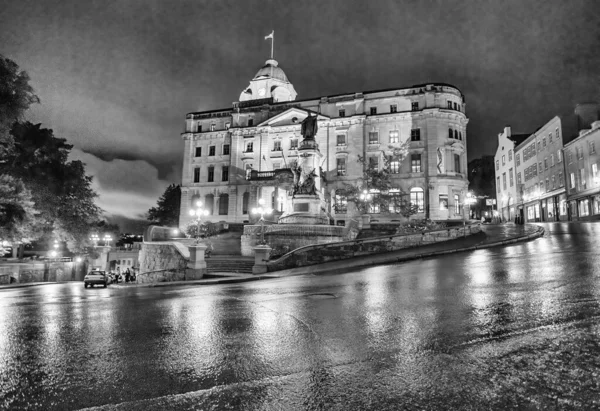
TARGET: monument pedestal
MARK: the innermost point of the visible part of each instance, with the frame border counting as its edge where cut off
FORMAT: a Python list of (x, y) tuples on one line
[(196, 267), (307, 209), (261, 257)]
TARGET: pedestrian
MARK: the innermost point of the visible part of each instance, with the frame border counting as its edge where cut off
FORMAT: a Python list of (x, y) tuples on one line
[(127, 275)]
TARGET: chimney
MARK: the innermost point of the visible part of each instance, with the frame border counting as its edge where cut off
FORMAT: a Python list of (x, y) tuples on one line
[(586, 114)]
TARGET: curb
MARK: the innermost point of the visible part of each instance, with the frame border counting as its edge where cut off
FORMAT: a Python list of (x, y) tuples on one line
[(26, 285)]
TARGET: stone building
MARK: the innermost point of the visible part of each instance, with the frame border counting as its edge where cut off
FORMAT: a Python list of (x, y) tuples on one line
[(504, 166), (583, 180), (234, 156), (540, 175)]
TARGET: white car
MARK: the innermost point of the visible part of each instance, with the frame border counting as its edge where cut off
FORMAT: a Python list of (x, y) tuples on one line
[(96, 277)]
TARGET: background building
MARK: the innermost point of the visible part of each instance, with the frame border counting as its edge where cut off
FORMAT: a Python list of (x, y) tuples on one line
[(504, 166), (232, 156), (581, 166), (540, 174), (482, 183)]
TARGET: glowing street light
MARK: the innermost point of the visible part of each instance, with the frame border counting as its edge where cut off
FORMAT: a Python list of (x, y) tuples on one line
[(198, 212), (107, 239), (365, 196), (95, 238), (470, 199), (262, 211)]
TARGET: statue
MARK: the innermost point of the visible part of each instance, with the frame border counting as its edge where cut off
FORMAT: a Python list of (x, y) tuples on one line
[(309, 127), (307, 186)]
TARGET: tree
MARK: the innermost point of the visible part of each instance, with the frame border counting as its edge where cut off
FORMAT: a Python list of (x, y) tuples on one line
[(17, 215), (60, 189), (378, 184), (166, 213), (16, 95)]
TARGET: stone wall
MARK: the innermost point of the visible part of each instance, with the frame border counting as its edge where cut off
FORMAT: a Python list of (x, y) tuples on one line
[(161, 276), (162, 262), (38, 272)]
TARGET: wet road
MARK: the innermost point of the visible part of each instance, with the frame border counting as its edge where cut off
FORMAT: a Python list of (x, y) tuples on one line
[(514, 327)]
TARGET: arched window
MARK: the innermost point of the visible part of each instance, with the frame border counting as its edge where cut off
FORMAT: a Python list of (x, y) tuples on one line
[(209, 201), (245, 202), (450, 133), (223, 204), (417, 198)]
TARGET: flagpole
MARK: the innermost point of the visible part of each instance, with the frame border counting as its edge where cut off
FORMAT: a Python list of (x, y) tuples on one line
[(272, 43)]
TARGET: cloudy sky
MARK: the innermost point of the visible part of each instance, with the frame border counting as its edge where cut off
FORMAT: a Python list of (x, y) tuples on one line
[(116, 77)]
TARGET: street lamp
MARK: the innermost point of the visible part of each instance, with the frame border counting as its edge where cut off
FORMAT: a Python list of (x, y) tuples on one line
[(470, 199), (262, 211), (107, 239), (95, 238), (198, 212)]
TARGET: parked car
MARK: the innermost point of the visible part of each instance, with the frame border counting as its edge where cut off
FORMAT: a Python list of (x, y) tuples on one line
[(96, 277)]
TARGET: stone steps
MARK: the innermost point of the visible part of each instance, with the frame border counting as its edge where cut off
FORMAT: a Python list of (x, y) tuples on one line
[(229, 264)]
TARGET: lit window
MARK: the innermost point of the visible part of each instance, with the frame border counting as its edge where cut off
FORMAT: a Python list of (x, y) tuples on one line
[(417, 199), (341, 139), (497, 164), (456, 204), (394, 136), (293, 144), (213, 127), (572, 180), (394, 166), (341, 204), (443, 201), (341, 166), (227, 126), (415, 163), (503, 160)]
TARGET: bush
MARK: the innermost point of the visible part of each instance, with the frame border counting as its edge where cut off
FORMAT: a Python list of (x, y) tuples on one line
[(417, 226)]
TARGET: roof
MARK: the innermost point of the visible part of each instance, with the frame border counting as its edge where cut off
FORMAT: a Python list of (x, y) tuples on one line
[(271, 69), (518, 138)]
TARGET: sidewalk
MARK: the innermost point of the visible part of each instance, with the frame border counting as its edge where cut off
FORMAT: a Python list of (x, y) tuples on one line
[(495, 235)]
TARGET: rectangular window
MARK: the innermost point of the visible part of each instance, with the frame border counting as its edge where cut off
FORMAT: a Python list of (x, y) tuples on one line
[(374, 163), (249, 147), (570, 156), (457, 163), (225, 149), (415, 163), (558, 156), (518, 178), (592, 147), (510, 177), (415, 134), (517, 159), (450, 133), (250, 122), (497, 164), (227, 126), (199, 128), (211, 150), (540, 169), (341, 166), (561, 182), (498, 184), (373, 111), (509, 155), (417, 199), (547, 185), (549, 138), (545, 163), (341, 204), (341, 139), (553, 182), (213, 127), (394, 166), (572, 180), (342, 113), (582, 177), (211, 174), (539, 143), (594, 171), (374, 208), (294, 144), (450, 105), (456, 204), (394, 136), (277, 145), (504, 181), (373, 137), (393, 108), (551, 160), (415, 106), (544, 142), (557, 133), (196, 175), (503, 160), (225, 173), (198, 151), (443, 201)]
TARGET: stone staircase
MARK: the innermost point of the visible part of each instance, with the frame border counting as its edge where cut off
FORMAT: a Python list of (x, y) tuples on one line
[(229, 264)]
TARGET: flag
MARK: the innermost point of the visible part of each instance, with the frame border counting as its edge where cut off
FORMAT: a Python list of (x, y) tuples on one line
[(270, 36)]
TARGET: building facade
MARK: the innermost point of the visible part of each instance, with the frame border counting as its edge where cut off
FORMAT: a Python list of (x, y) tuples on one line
[(234, 156), (541, 192), (583, 180), (504, 166)]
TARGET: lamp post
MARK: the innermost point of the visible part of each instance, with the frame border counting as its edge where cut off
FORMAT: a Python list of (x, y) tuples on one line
[(262, 211), (470, 199), (95, 238), (107, 239), (198, 212)]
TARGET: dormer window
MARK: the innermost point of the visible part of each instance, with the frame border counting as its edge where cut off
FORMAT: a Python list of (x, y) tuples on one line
[(342, 113), (250, 122)]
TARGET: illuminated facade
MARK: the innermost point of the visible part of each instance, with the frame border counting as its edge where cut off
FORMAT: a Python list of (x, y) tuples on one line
[(232, 156)]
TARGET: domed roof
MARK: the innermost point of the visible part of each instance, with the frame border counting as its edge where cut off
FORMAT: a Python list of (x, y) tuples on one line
[(271, 69)]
